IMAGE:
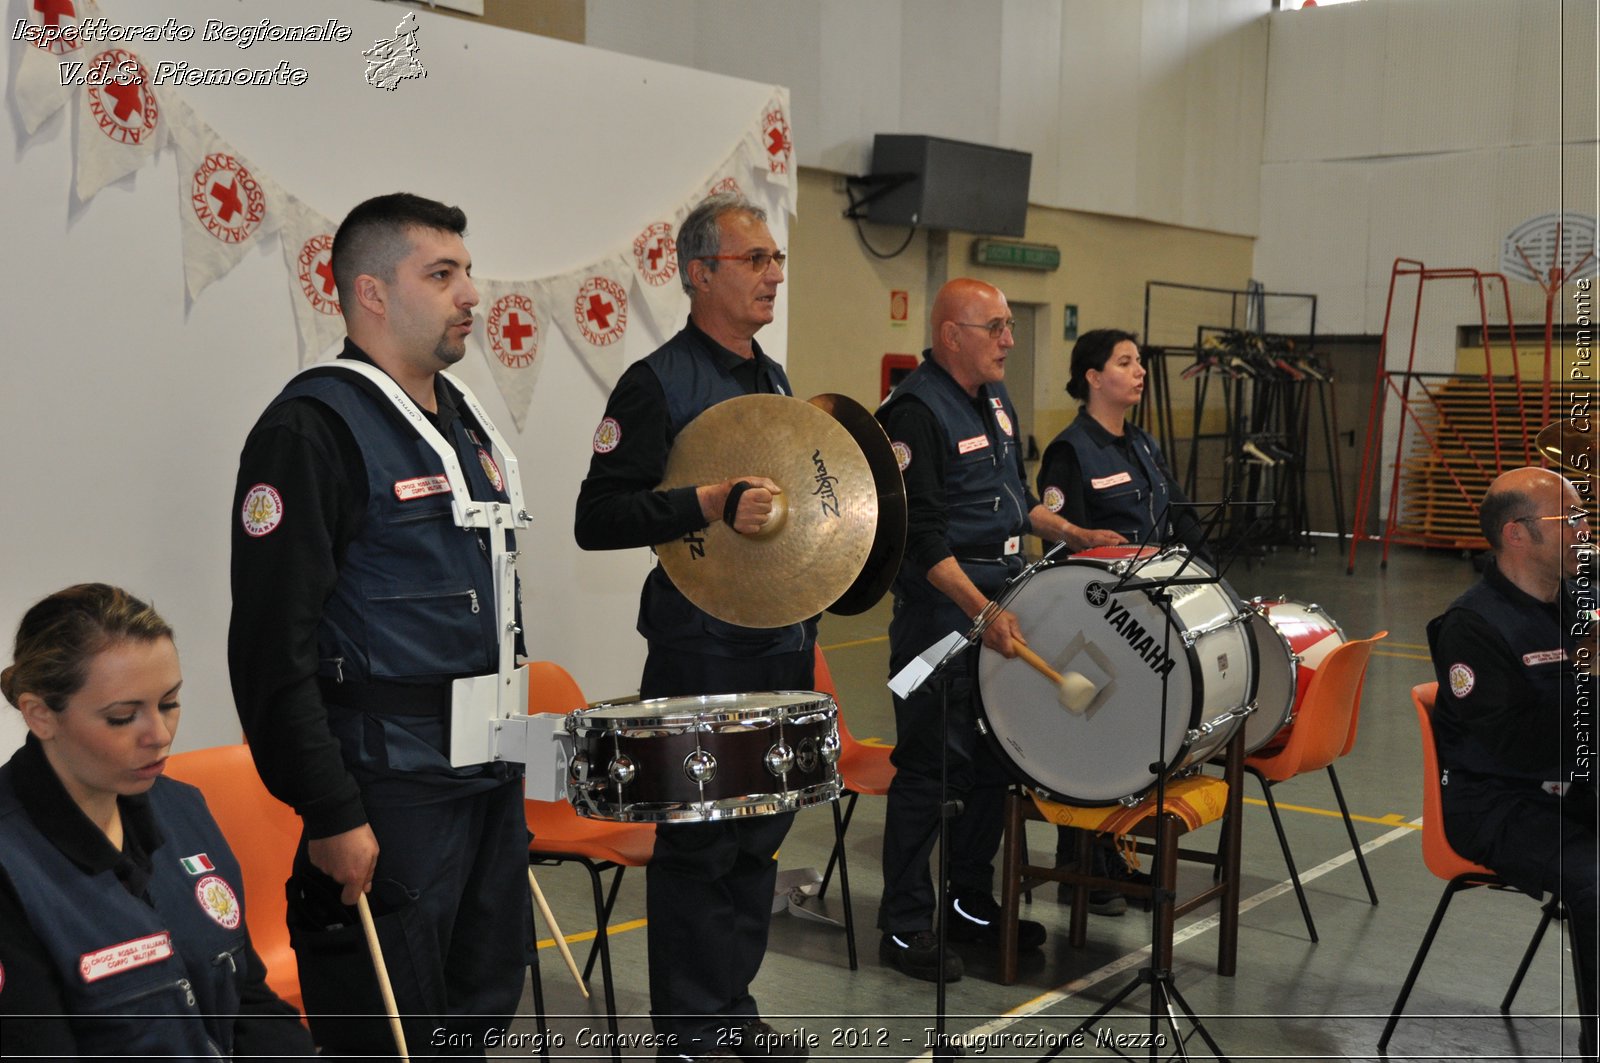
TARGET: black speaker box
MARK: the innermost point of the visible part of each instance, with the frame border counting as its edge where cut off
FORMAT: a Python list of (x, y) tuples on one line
[(955, 185)]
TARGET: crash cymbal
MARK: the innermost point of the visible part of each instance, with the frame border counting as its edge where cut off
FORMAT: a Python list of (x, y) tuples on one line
[(1567, 446), (889, 541), (822, 528)]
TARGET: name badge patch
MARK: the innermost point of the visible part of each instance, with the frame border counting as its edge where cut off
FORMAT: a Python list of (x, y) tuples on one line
[(1544, 657), (102, 963), (421, 487), (967, 446), (1100, 483)]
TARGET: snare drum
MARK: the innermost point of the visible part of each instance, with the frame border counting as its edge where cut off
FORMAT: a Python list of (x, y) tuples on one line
[(1291, 639), (706, 758), (1120, 642)]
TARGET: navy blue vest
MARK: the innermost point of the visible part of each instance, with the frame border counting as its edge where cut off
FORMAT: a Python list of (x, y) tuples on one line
[(692, 382), (985, 499), (1116, 497), (1532, 635), (158, 979), (415, 596)]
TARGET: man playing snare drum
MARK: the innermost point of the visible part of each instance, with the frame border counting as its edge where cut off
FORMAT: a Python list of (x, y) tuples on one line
[(706, 882)]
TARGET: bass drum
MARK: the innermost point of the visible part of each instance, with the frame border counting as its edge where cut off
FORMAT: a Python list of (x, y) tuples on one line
[(1120, 642), (671, 760), (1291, 639)]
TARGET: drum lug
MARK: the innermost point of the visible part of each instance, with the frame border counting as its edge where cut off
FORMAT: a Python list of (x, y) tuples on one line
[(622, 770), (779, 759), (700, 767)]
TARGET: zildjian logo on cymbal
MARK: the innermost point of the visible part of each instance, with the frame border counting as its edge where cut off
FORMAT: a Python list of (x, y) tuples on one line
[(830, 501)]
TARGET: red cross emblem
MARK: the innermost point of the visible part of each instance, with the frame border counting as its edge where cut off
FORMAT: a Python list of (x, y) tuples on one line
[(315, 269), (227, 197), (655, 255), (241, 205), (779, 149), (601, 310), (51, 14), (512, 326), (119, 77)]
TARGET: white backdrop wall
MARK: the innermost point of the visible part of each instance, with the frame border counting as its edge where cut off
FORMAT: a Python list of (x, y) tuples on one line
[(1425, 129), (124, 408), (1150, 109)]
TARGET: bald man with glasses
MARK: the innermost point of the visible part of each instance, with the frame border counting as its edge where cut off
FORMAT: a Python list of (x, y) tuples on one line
[(956, 436), (1515, 715)]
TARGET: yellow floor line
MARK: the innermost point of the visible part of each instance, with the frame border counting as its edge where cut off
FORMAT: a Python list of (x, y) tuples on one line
[(1403, 656), (855, 642), (1406, 645), (588, 935), (1393, 819)]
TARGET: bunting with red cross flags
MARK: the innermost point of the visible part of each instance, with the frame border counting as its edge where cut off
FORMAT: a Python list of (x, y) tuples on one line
[(307, 239), (591, 308), (43, 82), (512, 328), (120, 121), (224, 203)]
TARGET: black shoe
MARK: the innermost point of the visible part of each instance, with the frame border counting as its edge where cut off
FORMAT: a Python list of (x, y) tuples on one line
[(917, 954), (1101, 902), (759, 1042), (976, 917)]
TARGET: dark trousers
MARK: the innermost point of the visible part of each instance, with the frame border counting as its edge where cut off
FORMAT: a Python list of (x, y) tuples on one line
[(709, 886), (1538, 842), (977, 778), (450, 898)]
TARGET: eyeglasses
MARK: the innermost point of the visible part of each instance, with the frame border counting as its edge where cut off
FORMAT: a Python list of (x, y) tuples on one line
[(996, 328), (1572, 519), (758, 261)]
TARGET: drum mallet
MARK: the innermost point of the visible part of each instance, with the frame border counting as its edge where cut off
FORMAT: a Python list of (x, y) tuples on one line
[(1072, 690), (561, 942), (383, 977)]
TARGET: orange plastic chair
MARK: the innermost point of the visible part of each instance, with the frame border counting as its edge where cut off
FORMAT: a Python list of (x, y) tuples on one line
[(561, 836), (263, 833), (1458, 872), (1324, 730), (864, 769)]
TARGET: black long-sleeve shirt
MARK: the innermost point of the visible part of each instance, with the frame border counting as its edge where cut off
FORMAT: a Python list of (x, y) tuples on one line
[(32, 997)]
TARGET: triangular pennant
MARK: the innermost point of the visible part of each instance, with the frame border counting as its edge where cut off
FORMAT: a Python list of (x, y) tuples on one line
[(225, 204), (656, 281), (512, 329), (120, 121), (308, 256), (50, 46), (590, 307)]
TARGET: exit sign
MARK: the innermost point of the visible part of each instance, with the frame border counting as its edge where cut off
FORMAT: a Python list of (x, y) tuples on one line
[(1016, 255)]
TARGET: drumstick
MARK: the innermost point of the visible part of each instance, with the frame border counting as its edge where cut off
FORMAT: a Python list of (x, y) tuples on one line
[(383, 977), (561, 942), (1037, 662)]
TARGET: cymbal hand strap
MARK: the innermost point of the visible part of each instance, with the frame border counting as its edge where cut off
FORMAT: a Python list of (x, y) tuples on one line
[(730, 508)]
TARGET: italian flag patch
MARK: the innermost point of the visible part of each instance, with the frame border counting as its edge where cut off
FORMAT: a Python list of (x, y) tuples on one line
[(197, 864)]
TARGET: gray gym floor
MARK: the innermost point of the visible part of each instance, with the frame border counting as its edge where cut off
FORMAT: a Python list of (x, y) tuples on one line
[(1290, 999)]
